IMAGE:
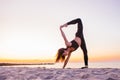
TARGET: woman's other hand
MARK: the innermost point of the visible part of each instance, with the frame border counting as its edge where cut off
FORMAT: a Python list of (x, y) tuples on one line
[(65, 25)]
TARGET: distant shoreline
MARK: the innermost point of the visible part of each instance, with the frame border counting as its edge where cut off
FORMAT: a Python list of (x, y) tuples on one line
[(12, 64)]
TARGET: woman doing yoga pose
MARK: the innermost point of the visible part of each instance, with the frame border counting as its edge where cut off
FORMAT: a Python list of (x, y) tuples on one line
[(74, 44)]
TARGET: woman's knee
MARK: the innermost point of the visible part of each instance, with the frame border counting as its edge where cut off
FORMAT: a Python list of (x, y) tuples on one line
[(78, 20)]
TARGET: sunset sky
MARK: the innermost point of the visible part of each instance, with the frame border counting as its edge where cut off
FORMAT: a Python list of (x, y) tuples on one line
[(29, 29)]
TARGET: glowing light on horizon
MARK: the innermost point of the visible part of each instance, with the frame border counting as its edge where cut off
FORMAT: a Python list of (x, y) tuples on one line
[(29, 29)]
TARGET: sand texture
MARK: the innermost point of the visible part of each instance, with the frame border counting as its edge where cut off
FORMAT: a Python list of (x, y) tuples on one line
[(37, 73)]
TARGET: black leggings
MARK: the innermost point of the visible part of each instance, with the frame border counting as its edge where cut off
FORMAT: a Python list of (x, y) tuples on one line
[(84, 49), (79, 33)]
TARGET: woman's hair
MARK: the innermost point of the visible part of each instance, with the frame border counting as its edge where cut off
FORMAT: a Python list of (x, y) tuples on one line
[(60, 56)]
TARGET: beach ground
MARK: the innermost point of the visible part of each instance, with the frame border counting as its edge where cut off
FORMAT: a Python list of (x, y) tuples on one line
[(38, 73)]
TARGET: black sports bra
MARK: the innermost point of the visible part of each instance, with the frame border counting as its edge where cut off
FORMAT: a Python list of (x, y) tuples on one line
[(74, 44)]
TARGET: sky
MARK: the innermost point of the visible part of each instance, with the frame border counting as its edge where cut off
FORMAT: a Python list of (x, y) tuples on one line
[(29, 29)]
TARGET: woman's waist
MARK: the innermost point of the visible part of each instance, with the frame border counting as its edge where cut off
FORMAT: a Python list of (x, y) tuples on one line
[(78, 40)]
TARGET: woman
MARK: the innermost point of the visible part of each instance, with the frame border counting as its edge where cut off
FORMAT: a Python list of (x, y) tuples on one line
[(74, 44)]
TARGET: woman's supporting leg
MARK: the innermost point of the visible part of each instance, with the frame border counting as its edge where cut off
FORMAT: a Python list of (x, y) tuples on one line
[(83, 47)]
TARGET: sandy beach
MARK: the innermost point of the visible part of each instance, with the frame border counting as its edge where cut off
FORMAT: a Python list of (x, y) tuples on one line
[(38, 73)]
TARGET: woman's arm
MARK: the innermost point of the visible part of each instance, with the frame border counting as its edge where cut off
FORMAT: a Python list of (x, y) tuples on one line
[(64, 37), (67, 59)]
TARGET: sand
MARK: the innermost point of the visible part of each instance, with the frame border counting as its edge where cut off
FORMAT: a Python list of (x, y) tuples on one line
[(38, 73)]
